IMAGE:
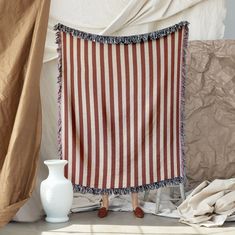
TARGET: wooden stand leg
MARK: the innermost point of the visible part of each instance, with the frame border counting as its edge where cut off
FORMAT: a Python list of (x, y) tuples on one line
[(158, 199), (182, 193), (172, 190), (146, 195)]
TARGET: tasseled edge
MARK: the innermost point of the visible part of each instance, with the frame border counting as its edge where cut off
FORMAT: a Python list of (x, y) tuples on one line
[(127, 190), (121, 39), (182, 111), (59, 82)]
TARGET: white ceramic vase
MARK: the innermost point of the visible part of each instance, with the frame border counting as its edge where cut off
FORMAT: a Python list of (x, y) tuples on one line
[(56, 192)]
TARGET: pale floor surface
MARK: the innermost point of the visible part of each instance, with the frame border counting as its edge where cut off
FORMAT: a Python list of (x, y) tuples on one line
[(115, 224)]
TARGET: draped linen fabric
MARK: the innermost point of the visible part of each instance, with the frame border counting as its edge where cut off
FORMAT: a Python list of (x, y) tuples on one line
[(210, 204), (128, 17), (121, 109), (23, 30)]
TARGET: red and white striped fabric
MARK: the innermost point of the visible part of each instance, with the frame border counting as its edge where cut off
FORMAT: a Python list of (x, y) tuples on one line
[(121, 110)]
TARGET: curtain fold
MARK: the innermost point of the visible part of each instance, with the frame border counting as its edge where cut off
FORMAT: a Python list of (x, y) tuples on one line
[(128, 17), (23, 25)]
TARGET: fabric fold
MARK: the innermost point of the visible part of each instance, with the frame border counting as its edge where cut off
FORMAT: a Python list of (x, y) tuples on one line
[(21, 54), (136, 17), (209, 204)]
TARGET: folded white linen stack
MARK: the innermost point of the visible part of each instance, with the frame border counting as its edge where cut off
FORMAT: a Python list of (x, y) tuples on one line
[(210, 204)]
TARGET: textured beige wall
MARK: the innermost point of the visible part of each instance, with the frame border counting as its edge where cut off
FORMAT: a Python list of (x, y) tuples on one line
[(210, 111)]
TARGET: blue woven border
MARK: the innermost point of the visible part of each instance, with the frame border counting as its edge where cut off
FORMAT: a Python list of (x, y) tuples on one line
[(123, 191), (121, 39), (59, 83), (182, 111)]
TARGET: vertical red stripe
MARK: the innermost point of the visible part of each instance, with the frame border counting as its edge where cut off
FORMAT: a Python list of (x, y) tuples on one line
[(143, 105), (88, 113), (128, 123), (120, 114), (178, 101), (165, 105), (65, 103), (112, 115), (80, 105), (172, 103), (104, 119), (135, 77), (73, 120), (150, 122), (96, 112), (158, 108)]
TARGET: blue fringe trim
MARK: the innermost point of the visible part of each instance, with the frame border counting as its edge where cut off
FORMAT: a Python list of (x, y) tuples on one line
[(121, 39), (59, 82), (124, 191), (182, 111)]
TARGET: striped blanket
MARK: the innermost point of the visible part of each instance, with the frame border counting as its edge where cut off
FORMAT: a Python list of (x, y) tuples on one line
[(121, 103)]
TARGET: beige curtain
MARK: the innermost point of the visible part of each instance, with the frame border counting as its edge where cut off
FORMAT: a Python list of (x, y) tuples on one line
[(23, 25)]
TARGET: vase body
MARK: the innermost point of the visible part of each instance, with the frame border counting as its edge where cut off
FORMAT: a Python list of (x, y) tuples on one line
[(56, 192)]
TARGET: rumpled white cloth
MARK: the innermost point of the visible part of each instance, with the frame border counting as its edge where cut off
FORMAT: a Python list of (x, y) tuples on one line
[(209, 204), (127, 17)]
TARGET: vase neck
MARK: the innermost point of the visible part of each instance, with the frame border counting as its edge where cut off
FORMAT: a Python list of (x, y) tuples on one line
[(56, 172)]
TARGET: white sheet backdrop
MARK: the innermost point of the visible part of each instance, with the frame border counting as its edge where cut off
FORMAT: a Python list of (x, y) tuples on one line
[(111, 17)]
